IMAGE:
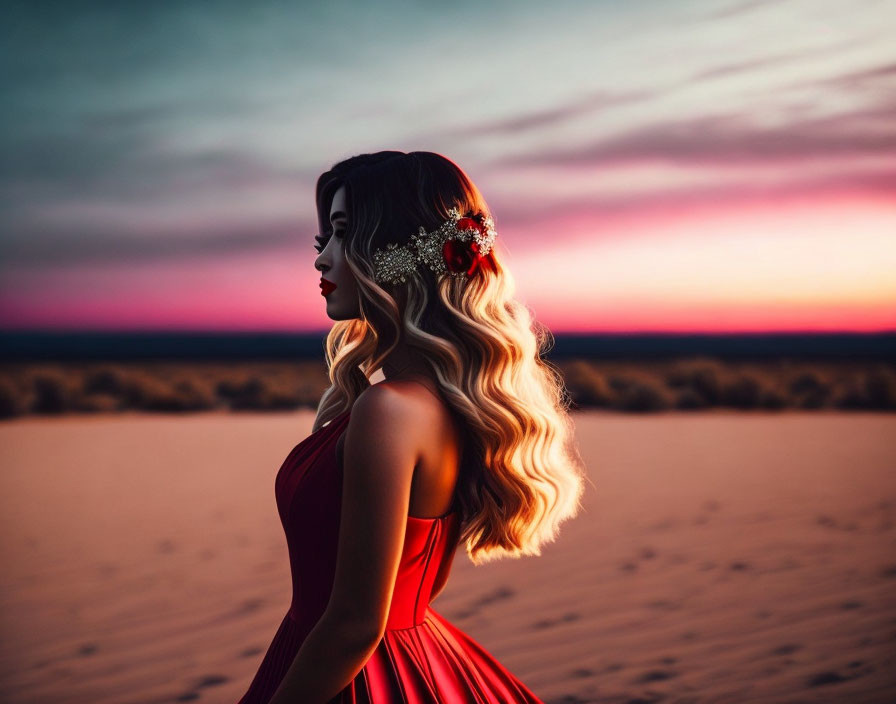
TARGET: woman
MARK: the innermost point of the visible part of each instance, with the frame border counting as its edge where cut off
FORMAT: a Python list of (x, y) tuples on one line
[(466, 439)]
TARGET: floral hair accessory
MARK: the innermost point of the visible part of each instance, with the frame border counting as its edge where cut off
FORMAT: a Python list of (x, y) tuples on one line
[(459, 247)]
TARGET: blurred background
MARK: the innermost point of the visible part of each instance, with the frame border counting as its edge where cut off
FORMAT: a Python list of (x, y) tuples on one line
[(697, 198)]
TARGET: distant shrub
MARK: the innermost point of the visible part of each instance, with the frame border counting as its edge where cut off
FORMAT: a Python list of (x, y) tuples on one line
[(618, 382), (260, 394), (806, 382), (640, 395), (818, 397), (689, 400), (880, 389), (98, 403), (106, 380), (772, 399), (587, 386), (742, 391), (230, 388), (849, 394), (53, 392), (157, 394), (11, 401), (703, 375)]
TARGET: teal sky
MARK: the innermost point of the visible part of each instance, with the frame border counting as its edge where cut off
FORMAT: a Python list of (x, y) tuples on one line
[(651, 165)]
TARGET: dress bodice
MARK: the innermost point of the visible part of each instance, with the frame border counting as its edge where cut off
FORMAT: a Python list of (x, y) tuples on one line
[(308, 491)]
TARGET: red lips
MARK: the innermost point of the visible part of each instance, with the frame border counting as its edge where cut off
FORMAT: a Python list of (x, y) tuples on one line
[(326, 287)]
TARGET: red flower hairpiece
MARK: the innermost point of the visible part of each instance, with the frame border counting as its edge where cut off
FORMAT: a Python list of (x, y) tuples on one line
[(460, 246), (464, 256)]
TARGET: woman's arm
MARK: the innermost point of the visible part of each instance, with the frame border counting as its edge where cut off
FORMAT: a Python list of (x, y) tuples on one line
[(331, 656), (381, 451)]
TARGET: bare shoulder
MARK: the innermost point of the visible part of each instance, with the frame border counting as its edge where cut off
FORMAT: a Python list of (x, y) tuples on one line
[(400, 406), (415, 398), (390, 409)]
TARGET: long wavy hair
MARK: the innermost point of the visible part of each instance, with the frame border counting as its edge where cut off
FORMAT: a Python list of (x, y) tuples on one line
[(521, 474)]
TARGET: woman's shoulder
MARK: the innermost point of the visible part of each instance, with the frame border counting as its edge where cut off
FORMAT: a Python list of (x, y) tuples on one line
[(403, 396), (397, 410)]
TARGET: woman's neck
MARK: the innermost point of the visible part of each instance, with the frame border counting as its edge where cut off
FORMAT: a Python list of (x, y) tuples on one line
[(399, 364)]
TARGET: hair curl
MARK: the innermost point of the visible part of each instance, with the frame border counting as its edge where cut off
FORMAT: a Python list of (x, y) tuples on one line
[(522, 474)]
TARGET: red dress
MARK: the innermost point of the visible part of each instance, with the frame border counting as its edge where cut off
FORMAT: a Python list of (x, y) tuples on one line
[(422, 658)]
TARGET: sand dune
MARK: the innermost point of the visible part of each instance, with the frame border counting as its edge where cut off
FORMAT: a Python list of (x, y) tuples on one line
[(722, 557)]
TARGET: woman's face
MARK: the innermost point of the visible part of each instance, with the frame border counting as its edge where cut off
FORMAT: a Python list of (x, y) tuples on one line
[(338, 285)]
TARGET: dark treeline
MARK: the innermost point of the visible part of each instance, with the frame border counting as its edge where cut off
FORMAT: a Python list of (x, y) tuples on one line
[(232, 346)]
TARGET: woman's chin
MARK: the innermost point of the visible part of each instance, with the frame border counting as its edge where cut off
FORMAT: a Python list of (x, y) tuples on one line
[(338, 312)]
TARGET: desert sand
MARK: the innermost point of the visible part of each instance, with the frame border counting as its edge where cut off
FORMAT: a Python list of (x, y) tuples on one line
[(720, 557)]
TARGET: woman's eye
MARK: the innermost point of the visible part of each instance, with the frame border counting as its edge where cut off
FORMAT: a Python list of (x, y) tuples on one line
[(321, 242), (325, 237)]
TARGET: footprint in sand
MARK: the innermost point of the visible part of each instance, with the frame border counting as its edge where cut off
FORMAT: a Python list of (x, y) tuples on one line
[(664, 525), (212, 681), (787, 564), (207, 681), (828, 677), (249, 606), (786, 649), (826, 521), (656, 676), (664, 604), (565, 618), (498, 595), (831, 522), (108, 569)]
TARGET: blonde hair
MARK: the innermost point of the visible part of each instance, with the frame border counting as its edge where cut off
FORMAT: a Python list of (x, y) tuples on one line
[(522, 474)]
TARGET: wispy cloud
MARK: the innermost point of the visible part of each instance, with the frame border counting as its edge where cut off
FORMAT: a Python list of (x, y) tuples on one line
[(550, 117), (730, 139), (740, 8), (57, 246)]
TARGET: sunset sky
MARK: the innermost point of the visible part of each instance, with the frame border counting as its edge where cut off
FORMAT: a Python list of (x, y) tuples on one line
[(680, 166)]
